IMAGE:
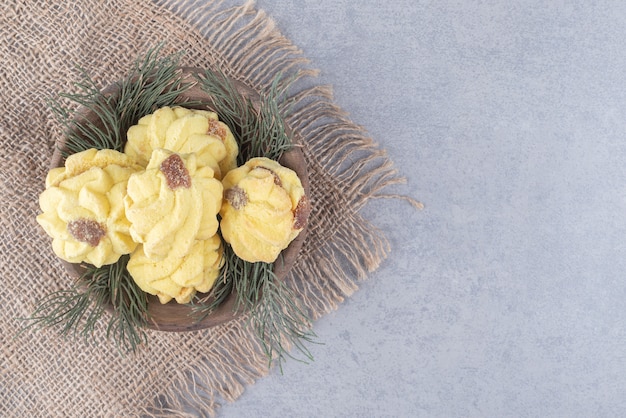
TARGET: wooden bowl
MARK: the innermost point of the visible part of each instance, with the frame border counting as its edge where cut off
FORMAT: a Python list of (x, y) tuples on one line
[(176, 317)]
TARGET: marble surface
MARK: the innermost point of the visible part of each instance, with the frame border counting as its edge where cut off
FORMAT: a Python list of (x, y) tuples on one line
[(505, 296)]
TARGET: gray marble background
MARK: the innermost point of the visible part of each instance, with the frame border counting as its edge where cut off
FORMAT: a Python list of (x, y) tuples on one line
[(505, 296)]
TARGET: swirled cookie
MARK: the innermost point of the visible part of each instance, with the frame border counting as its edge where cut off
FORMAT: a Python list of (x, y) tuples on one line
[(171, 204), (184, 131), (83, 207), (178, 278), (263, 210)]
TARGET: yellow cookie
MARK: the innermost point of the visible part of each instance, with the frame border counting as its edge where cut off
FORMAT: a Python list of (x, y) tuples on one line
[(263, 210), (178, 278), (83, 207), (184, 131), (172, 204)]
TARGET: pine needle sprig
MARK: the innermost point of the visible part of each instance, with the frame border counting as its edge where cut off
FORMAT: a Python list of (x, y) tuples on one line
[(259, 128), (78, 310), (278, 320), (276, 317), (281, 323), (130, 306), (152, 82)]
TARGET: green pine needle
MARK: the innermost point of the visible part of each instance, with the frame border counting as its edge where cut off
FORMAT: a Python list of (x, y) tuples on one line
[(153, 82), (78, 310), (260, 130)]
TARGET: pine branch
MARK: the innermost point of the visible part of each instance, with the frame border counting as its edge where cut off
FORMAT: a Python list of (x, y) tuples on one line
[(153, 82), (260, 130), (79, 309), (281, 323), (278, 320)]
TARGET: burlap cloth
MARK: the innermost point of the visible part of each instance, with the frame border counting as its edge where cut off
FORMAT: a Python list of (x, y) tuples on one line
[(175, 374)]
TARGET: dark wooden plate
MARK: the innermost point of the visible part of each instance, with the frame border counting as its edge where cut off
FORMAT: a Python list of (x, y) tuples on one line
[(176, 317)]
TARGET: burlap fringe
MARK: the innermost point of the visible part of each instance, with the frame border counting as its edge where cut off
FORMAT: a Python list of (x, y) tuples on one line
[(196, 391), (251, 48)]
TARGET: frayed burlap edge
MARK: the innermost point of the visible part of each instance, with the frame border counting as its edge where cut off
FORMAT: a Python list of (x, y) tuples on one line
[(346, 169)]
